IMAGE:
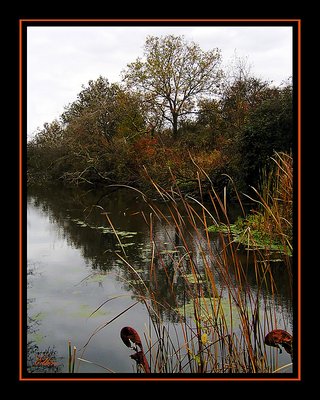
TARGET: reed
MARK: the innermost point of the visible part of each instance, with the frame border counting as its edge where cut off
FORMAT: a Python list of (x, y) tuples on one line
[(220, 322), (274, 217), (71, 357)]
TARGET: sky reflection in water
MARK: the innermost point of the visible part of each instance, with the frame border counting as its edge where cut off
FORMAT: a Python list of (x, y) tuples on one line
[(73, 268)]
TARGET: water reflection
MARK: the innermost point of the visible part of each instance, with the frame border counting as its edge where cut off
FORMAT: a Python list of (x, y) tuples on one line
[(39, 359), (85, 263)]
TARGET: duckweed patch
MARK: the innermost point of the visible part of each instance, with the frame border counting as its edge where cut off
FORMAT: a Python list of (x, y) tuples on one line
[(212, 309), (248, 232), (104, 229)]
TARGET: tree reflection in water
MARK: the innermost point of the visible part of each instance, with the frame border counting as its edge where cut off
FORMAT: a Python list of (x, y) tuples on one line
[(39, 360), (161, 257)]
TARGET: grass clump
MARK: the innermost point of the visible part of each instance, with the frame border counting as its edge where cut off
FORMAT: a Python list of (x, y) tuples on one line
[(270, 227)]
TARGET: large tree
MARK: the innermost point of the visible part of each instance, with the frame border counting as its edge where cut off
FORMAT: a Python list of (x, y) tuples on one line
[(173, 76)]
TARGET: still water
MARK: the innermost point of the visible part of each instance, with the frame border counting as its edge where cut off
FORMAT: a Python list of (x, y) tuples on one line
[(73, 267)]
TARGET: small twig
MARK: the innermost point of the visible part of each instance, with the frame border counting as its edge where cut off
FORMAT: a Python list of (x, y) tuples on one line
[(279, 369), (98, 365)]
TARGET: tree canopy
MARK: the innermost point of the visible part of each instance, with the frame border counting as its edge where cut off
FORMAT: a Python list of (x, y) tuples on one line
[(173, 103), (173, 76)]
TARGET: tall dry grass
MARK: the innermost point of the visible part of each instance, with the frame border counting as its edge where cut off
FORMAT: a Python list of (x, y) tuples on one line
[(220, 318)]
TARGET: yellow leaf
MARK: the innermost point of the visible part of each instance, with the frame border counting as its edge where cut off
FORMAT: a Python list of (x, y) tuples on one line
[(204, 338)]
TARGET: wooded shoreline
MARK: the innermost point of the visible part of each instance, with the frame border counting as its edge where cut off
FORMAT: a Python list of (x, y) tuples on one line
[(159, 125)]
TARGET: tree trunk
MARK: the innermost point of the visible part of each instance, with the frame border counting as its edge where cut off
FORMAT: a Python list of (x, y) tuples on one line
[(175, 125)]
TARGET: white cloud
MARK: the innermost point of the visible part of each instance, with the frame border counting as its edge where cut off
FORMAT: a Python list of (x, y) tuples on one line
[(62, 59)]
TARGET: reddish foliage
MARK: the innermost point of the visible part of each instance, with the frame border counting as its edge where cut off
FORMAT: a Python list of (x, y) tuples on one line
[(140, 359), (129, 334), (145, 147), (279, 336)]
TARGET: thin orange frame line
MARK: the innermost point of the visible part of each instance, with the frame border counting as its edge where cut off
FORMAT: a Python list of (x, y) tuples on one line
[(159, 20), (163, 379), (299, 196), (21, 21), (20, 199)]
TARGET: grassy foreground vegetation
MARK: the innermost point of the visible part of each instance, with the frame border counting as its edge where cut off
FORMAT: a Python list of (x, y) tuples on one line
[(218, 327)]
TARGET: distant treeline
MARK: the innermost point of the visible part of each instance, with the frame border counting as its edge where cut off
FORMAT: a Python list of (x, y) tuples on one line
[(174, 114)]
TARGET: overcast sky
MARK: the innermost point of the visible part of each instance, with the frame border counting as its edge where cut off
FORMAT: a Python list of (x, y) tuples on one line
[(62, 59)]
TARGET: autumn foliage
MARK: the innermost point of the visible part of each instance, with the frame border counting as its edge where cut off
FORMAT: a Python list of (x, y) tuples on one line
[(166, 119)]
